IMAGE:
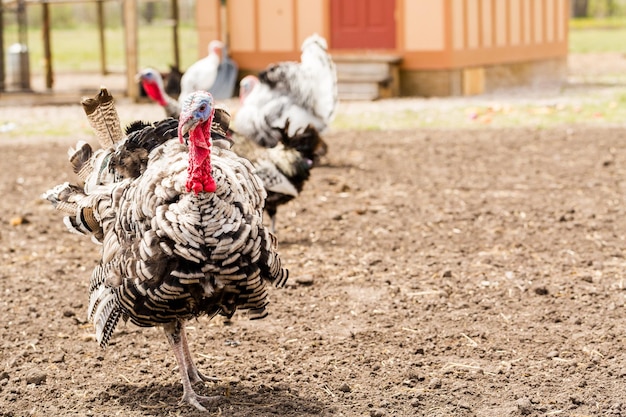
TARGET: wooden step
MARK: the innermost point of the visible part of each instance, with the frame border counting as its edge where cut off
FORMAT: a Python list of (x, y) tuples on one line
[(362, 71), (358, 90), (367, 76)]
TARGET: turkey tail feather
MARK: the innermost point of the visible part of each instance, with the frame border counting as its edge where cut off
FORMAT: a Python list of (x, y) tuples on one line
[(103, 118), (69, 199), (80, 158), (280, 274), (320, 67), (104, 309)]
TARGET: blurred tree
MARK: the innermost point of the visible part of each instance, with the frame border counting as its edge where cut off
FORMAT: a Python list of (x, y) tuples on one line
[(606, 8), (83, 13), (580, 8), (149, 11), (611, 7)]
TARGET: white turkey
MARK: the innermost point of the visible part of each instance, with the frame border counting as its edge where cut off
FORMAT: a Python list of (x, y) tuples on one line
[(182, 236), (201, 75), (305, 93)]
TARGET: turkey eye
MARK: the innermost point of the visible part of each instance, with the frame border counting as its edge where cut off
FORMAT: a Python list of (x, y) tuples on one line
[(203, 107)]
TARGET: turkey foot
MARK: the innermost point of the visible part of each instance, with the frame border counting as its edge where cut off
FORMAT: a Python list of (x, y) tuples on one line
[(195, 400), (175, 333), (200, 377), (195, 375)]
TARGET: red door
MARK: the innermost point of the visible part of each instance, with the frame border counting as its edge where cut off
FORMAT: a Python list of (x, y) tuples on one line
[(363, 24)]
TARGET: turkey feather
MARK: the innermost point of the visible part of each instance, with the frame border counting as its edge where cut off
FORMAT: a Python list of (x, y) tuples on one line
[(180, 221), (303, 93)]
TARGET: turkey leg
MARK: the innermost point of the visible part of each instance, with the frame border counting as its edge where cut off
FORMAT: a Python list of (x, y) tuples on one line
[(192, 370), (175, 334)]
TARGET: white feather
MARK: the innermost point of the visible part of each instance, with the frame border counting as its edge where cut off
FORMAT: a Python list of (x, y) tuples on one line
[(201, 74)]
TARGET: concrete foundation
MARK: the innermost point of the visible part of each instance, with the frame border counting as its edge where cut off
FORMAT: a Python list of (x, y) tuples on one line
[(484, 79)]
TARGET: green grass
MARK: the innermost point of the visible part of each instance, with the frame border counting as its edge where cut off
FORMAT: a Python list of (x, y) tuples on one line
[(78, 49), (598, 23), (598, 40), (597, 35), (584, 108)]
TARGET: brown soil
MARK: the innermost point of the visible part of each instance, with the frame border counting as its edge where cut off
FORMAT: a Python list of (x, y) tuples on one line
[(436, 273)]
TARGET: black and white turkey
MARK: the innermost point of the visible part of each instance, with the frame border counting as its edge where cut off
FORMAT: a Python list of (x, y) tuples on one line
[(181, 230), (303, 93), (284, 168)]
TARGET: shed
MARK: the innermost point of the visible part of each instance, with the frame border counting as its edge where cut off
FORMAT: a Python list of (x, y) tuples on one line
[(401, 47)]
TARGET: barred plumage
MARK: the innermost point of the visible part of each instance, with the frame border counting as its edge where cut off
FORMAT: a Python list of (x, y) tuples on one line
[(103, 117), (182, 234)]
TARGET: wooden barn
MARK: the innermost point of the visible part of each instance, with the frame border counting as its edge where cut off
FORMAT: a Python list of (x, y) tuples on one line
[(401, 47)]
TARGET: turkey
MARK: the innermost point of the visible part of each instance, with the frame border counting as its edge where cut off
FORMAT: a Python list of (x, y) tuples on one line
[(171, 82), (182, 236), (152, 83), (201, 75), (284, 168), (304, 93)]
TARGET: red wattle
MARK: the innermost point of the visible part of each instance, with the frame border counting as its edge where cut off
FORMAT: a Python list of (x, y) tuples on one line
[(154, 92), (199, 172)]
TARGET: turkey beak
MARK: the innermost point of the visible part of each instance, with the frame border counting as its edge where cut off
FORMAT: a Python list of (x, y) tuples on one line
[(184, 126), (142, 76)]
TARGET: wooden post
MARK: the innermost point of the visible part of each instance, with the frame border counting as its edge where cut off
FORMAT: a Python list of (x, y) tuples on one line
[(22, 23), (130, 39), (47, 50), (224, 37), (103, 56), (175, 19), (2, 63)]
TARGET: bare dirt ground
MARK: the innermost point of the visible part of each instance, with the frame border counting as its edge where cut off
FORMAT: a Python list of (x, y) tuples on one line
[(433, 272)]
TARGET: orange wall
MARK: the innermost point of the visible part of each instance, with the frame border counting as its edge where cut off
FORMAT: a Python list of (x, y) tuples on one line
[(243, 34), (208, 24), (311, 18), (263, 31), (484, 32), (276, 21), (423, 22), (431, 34)]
